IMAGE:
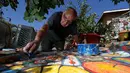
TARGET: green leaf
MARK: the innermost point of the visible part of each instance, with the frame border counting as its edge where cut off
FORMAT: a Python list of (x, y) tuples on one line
[(6, 3), (12, 5), (38, 17), (34, 11), (31, 19), (1, 5), (26, 14), (26, 18), (36, 1)]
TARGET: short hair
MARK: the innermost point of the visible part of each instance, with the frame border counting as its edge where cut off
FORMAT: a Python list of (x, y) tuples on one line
[(73, 11)]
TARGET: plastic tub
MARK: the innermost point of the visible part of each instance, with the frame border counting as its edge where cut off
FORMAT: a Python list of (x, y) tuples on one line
[(88, 49)]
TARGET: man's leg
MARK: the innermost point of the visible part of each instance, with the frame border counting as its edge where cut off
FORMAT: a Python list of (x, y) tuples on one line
[(46, 43), (60, 45), (52, 39), (46, 46)]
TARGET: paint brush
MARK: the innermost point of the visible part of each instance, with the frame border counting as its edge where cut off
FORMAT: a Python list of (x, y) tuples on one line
[(30, 55)]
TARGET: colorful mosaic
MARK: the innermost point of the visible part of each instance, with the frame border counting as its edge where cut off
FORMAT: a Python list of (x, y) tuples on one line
[(69, 63)]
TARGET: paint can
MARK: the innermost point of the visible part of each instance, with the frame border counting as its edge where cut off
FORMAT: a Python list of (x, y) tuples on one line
[(88, 49)]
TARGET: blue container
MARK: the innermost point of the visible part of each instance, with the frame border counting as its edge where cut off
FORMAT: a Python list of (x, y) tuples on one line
[(88, 49)]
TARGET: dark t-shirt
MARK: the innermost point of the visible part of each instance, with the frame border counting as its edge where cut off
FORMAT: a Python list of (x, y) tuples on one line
[(55, 25)]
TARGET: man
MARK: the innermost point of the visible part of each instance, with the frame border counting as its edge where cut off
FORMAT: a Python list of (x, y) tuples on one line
[(54, 32)]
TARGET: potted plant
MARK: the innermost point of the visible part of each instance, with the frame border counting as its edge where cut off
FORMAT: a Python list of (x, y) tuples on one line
[(123, 35), (87, 26)]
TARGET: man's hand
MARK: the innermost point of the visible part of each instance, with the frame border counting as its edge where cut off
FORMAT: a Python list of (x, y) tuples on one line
[(31, 47), (68, 46)]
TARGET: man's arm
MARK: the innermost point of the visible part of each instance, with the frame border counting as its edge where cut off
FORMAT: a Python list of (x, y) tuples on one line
[(45, 27), (73, 43), (32, 46), (41, 33)]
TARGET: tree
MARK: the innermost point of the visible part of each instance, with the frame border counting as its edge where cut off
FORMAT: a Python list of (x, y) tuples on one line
[(118, 1), (85, 20), (35, 9)]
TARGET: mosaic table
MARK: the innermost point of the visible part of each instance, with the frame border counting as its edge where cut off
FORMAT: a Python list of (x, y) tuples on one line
[(68, 62)]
